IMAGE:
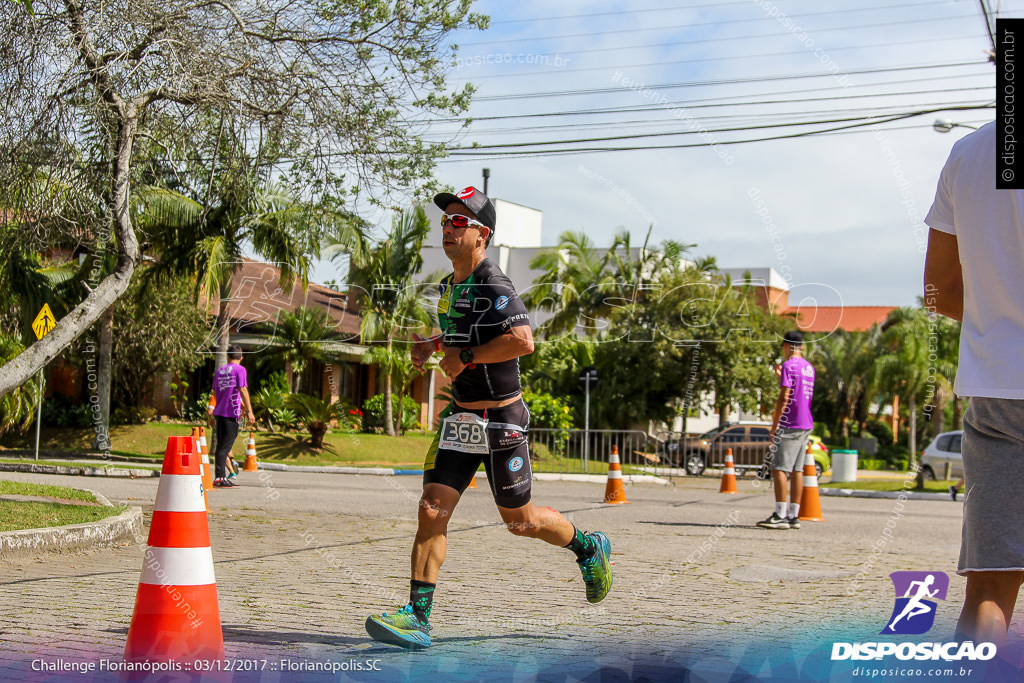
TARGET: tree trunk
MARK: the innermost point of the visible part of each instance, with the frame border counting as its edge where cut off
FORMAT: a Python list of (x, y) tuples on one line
[(389, 419), (958, 414), (220, 358), (30, 361), (912, 438), (101, 439), (723, 414)]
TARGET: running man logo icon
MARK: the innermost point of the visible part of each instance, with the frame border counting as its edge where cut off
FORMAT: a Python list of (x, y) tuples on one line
[(916, 595)]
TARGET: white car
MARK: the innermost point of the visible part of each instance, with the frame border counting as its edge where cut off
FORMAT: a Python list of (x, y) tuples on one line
[(944, 448)]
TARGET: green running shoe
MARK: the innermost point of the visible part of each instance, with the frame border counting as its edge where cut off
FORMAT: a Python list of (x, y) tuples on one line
[(597, 570), (403, 629)]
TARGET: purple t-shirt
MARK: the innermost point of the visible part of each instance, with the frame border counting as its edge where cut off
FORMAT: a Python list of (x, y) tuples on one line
[(226, 384), (798, 375)]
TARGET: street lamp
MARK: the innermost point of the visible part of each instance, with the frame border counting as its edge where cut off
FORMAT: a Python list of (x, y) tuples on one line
[(945, 125)]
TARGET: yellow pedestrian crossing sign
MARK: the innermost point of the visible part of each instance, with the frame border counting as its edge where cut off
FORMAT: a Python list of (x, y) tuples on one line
[(44, 322)]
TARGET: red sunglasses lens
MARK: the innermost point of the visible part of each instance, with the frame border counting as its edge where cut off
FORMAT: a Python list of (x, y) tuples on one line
[(459, 221)]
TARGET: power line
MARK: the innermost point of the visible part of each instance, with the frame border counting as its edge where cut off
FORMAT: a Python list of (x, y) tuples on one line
[(662, 122), (587, 150), (701, 131), (722, 100), (723, 81)]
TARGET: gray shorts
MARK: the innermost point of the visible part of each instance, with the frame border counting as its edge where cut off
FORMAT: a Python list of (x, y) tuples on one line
[(993, 453), (787, 451)]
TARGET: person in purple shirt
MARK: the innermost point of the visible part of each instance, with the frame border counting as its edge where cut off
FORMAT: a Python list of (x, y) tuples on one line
[(231, 392), (791, 425)]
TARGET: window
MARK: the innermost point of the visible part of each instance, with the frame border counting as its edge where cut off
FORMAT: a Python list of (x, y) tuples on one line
[(943, 443), (954, 444), (759, 433), (734, 435)]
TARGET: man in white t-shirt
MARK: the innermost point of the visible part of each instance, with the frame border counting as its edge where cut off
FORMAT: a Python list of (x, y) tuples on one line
[(974, 272)]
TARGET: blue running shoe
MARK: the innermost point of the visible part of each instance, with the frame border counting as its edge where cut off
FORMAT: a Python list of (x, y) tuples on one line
[(402, 628), (597, 569)]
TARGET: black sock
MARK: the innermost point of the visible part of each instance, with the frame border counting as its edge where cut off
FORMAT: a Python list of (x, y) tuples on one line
[(421, 597), (581, 544)]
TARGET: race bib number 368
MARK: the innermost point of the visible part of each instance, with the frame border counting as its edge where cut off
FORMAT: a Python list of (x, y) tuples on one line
[(464, 432)]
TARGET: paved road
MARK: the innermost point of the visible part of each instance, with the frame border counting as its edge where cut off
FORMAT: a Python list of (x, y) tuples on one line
[(302, 559)]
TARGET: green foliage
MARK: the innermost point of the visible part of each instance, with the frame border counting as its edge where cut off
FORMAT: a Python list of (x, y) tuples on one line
[(299, 337), (547, 410), (276, 381), (179, 393), (550, 412), (880, 430), (18, 407), (60, 411), (268, 405), (373, 412), (317, 414), (196, 411)]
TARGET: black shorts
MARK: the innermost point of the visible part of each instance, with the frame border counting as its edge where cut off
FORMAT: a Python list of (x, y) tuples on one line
[(507, 460)]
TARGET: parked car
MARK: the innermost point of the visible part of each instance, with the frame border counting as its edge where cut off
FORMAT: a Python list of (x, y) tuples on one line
[(944, 448), (749, 443)]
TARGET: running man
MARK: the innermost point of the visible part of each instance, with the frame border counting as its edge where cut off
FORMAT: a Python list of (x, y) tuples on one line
[(230, 397), (791, 426), (484, 330), (915, 606)]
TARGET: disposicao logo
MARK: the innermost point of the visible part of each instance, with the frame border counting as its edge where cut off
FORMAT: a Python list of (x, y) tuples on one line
[(914, 614), (916, 595)]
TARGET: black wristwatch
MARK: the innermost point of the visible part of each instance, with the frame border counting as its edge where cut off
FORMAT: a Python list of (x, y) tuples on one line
[(466, 356)]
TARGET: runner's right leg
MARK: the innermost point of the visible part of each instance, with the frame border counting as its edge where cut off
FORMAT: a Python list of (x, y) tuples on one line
[(409, 627)]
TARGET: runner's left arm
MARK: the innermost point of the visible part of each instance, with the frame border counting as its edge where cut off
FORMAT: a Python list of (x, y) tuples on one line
[(246, 404)]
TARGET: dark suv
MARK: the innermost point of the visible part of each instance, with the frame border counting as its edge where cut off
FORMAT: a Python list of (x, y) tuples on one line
[(748, 441)]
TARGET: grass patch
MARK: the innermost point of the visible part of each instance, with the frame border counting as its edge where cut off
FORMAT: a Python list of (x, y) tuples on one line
[(15, 515), (63, 492), (891, 485)]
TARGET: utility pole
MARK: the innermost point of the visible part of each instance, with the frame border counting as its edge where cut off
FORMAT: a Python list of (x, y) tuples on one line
[(487, 175)]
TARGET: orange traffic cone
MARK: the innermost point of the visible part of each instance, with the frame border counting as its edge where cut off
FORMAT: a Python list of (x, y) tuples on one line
[(250, 455), (728, 475), (204, 455), (176, 615), (472, 482), (614, 492), (810, 503)]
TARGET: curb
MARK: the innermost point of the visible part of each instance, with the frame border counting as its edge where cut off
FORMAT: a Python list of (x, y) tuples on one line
[(909, 495), (30, 542), (84, 471)]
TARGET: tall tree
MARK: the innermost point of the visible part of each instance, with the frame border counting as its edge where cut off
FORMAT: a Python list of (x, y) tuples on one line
[(382, 276), (905, 367), (299, 337), (339, 83)]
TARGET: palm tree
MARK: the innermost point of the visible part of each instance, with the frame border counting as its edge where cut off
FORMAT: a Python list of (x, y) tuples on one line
[(18, 407), (906, 368), (384, 275), (583, 284), (206, 241), (845, 368), (300, 337)]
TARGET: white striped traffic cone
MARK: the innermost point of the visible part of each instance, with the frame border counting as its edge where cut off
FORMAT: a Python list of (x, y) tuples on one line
[(810, 502), (614, 491), (250, 455), (176, 615), (728, 475)]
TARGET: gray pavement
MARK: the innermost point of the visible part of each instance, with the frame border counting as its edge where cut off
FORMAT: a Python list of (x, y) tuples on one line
[(302, 559)]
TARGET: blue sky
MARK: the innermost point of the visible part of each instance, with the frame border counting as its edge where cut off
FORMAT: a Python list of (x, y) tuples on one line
[(846, 208)]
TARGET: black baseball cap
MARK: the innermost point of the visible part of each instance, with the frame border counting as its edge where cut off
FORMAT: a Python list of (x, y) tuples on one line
[(793, 337), (474, 200)]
